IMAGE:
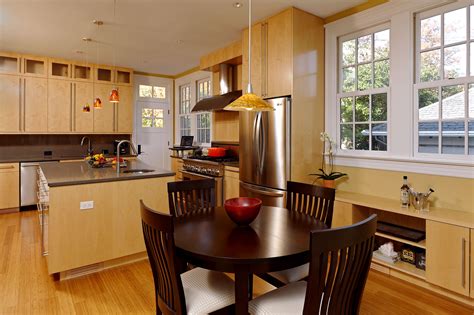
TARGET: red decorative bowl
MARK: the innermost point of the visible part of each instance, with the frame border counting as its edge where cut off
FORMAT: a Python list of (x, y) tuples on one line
[(242, 210)]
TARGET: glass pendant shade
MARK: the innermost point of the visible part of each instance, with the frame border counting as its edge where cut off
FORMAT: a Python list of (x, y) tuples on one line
[(114, 96), (97, 103), (249, 102)]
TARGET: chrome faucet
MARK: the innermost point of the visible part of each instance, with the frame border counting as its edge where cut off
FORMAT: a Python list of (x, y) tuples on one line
[(118, 152), (89, 145)]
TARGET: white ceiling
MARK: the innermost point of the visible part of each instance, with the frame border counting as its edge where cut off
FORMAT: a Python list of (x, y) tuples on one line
[(157, 36)]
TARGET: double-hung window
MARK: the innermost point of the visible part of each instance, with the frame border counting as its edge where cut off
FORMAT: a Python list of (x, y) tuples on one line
[(185, 110), (444, 88), (363, 90), (203, 119)]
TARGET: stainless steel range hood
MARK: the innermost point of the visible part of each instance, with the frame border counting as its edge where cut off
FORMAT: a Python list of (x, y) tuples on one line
[(227, 93)]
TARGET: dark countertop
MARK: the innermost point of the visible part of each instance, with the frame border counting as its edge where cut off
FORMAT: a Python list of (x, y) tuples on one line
[(53, 158), (79, 173)]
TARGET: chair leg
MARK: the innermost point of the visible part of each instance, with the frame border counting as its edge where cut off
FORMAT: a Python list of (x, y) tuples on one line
[(272, 280), (250, 286)]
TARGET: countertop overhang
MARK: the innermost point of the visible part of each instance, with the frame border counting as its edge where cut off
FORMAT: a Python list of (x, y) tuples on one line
[(80, 173)]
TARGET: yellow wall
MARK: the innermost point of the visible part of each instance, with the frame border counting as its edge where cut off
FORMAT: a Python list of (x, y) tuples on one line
[(450, 192)]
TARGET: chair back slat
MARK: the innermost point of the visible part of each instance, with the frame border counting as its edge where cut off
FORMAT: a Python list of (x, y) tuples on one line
[(312, 200), (191, 195), (340, 263), (158, 232)]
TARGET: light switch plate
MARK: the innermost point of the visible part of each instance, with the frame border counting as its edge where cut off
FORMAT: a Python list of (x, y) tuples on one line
[(86, 205)]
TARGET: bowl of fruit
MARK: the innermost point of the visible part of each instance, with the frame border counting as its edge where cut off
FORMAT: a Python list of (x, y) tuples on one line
[(97, 160)]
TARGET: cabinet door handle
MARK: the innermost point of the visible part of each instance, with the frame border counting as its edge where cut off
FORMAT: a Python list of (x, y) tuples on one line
[(24, 104), (20, 104), (9, 167), (70, 107), (463, 263)]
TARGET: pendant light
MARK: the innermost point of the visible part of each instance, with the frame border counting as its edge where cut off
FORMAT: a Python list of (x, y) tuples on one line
[(86, 108), (97, 100), (114, 94), (250, 101)]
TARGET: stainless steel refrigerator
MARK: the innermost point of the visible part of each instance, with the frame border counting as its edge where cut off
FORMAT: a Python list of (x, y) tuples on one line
[(265, 152)]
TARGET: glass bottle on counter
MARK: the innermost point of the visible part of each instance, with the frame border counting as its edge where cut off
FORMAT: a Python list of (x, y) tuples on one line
[(405, 193)]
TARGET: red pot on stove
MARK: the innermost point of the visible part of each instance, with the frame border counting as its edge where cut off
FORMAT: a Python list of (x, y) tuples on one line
[(216, 152)]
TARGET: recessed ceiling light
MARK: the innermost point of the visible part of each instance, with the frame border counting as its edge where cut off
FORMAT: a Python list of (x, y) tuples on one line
[(238, 5), (80, 52), (180, 42), (97, 22), (87, 39)]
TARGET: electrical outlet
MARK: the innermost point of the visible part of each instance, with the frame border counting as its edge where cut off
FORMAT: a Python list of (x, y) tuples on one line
[(86, 205)]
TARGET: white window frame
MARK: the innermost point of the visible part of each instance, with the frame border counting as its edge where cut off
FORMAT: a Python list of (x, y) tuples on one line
[(356, 92), (186, 113), (200, 97), (191, 80), (400, 155), (442, 82), (156, 99)]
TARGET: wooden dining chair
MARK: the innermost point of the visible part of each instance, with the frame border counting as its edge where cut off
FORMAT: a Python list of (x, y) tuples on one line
[(198, 291), (339, 266), (312, 200), (191, 195)]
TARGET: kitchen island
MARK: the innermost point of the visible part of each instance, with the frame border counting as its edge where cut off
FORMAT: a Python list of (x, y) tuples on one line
[(93, 214)]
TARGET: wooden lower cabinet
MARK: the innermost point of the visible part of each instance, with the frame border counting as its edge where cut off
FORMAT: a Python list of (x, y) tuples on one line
[(342, 214), (10, 103), (59, 106), (124, 109), (447, 256), (231, 184), (104, 118), (83, 95), (177, 166), (9, 185), (35, 98), (472, 263)]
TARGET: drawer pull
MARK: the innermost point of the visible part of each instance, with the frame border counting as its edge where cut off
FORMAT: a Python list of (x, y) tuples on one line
[(10, 167), (463, 263)]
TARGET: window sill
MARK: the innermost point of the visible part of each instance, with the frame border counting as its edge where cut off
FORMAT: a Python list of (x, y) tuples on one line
[(464, 169)]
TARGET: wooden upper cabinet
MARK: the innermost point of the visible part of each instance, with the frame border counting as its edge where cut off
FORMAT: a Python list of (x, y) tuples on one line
[(82, 72), (103, 74), (104, 118), (59, 69), (123, 76), (10, 103), (257, 71), (35, 99), (34, 66), (447, 256), (124, 115), (59, 106), (272, 56), (83, 95), (10, 63), (279, 54)]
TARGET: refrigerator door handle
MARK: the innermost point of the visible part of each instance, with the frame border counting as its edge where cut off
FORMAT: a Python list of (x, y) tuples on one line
[(263, 144), (256, 139), (263, 191)]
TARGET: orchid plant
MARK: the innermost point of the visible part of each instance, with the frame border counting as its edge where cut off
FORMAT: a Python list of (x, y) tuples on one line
[(326, 172)]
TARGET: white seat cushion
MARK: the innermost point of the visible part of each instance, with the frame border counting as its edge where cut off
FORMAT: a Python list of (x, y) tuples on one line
[(291, 275), (206, 291), (287, 300)]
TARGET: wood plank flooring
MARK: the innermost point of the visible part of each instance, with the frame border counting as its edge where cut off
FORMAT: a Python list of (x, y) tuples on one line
[(26, 288)]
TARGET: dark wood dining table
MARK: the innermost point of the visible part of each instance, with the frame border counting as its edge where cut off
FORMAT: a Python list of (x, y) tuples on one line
[(278, 239)]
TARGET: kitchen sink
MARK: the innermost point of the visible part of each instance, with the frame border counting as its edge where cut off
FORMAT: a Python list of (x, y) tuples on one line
[(138, 171)]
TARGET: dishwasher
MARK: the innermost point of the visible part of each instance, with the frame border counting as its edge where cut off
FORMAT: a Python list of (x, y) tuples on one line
[(28, 184)]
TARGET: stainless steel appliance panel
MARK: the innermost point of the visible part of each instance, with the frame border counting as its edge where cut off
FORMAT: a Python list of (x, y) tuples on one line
[(219, 184), (265, 145), (269, 197), (28, 184)]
